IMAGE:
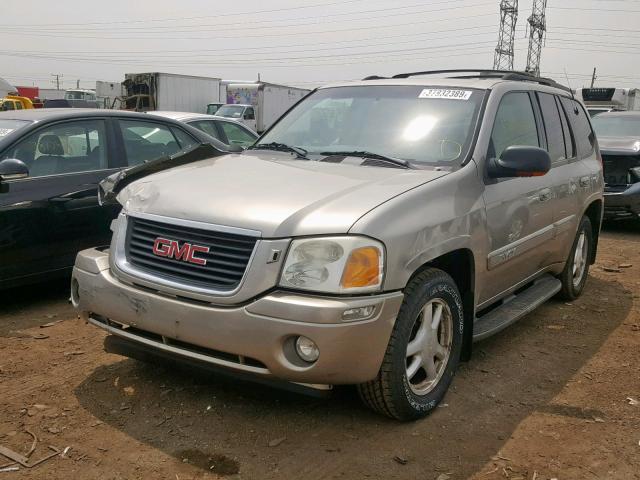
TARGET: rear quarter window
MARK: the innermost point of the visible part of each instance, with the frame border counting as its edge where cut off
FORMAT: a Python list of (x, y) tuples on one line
[(584, 137)]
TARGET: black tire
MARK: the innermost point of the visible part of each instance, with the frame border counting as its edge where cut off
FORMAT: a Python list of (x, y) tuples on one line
[(570, 289), (390, 392)]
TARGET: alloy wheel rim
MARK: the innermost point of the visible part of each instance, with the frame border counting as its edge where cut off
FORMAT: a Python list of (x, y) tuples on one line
[(580, 259), (429, 347)]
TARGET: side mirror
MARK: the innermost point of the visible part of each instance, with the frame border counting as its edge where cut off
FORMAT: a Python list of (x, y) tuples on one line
[(520, 161), (12, 169)]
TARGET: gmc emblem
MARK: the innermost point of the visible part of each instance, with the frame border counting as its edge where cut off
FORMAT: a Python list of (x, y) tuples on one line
[(164, 247)]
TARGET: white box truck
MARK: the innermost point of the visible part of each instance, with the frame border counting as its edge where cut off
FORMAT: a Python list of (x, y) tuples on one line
[(168, 91), (600, 100), (258, 105)]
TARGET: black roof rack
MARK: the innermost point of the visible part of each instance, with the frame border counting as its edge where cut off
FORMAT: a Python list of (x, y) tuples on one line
[(481, 73)]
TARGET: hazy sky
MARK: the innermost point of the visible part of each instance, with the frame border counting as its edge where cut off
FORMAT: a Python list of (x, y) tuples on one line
[(305, 42)]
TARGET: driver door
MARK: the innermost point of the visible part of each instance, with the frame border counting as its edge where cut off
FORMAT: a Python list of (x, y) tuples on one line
[(46, 218), (519, 210)]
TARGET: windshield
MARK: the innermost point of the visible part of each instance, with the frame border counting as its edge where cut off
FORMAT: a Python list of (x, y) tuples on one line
[(8, 126), (616, 125), (230, 111), (432, 126)]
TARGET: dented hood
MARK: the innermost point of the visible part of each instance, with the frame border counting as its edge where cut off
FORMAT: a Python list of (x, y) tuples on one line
[(270, 192)]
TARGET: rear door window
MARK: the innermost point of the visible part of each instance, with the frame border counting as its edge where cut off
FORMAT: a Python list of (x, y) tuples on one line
[(569, 139), (145, 141), (553, 127), (579, 120)]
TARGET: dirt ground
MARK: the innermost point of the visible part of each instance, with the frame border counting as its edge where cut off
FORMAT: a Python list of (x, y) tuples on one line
[(555, 396)]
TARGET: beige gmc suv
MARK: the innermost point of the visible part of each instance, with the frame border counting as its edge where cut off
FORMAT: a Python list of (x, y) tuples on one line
[(369, 237)]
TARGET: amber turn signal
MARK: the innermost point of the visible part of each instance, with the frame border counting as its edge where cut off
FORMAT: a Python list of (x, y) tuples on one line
[(362, 268)]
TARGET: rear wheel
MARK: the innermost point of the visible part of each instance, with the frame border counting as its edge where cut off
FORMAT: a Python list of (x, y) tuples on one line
[(423, 352), (575, 273)]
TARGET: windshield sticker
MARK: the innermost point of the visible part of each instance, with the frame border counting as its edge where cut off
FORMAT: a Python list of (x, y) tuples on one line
[(6, 131), (445, 93)]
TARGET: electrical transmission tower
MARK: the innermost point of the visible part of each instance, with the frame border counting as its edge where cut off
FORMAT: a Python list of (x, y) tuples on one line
[(503, 59), (537, 30)]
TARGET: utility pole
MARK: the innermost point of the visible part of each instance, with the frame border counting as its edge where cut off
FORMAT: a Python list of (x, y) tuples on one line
[(78, 84), (57, 80), (593, 77), (503, 59), (537, 30)]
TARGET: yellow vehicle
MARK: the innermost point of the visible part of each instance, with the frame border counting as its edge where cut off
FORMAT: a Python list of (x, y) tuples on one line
[(15, 102)]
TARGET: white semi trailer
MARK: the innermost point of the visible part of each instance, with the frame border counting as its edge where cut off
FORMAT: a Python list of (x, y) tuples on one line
[(168, 91), (258, 105)]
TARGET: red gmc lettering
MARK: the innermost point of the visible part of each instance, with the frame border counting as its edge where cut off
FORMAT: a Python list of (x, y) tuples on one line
[(164, 247)]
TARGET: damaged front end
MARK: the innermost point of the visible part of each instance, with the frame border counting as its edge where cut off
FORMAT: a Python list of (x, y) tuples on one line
[(109, 188), (621, 163)]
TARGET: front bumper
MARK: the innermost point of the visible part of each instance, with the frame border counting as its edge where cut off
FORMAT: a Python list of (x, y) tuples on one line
[(256, 337), (620, 205)]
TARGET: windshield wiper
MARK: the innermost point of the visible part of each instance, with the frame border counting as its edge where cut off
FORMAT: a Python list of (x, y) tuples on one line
[(371, 155), (281, 147)]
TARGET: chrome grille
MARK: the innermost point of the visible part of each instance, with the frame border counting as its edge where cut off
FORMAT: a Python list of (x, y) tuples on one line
[(226, 260)]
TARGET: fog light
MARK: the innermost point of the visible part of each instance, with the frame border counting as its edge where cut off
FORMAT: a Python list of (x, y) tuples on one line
[(359, 313), (306, 349)]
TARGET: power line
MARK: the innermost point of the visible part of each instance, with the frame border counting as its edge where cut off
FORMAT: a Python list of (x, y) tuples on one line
[(355, 55), (272, 49), (255, 12), (261, 35), (244, 23), (467, 51)]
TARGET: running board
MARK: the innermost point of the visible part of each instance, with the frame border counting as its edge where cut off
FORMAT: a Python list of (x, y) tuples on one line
[(517, 307)]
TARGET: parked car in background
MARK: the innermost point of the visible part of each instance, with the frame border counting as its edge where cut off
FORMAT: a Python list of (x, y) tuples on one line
[(50, 164), (593, 111), (619, 138), (88, 96), (369, 237), (15, 102), (212, 108), (66, 103), (226, 130), (245, 114)]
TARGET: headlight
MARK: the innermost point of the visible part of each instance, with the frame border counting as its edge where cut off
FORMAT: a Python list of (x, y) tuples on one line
[(348, 264)]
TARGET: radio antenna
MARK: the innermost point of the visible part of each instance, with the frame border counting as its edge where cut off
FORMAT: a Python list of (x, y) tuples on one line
[(569, 83)]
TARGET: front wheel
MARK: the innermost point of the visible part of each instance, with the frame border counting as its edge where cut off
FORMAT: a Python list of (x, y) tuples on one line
[(576, 270), (423, 351)]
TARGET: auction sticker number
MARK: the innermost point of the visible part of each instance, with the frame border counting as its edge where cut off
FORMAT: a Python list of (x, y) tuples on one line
[(445, 93)]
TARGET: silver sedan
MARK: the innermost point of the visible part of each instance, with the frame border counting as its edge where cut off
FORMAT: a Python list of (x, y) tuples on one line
[(226, 130)]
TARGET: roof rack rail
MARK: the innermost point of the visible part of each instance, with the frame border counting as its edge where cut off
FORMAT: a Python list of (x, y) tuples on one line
[(482, 73)]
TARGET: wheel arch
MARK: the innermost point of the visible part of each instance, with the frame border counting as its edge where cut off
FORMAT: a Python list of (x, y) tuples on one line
[(460, 265)]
